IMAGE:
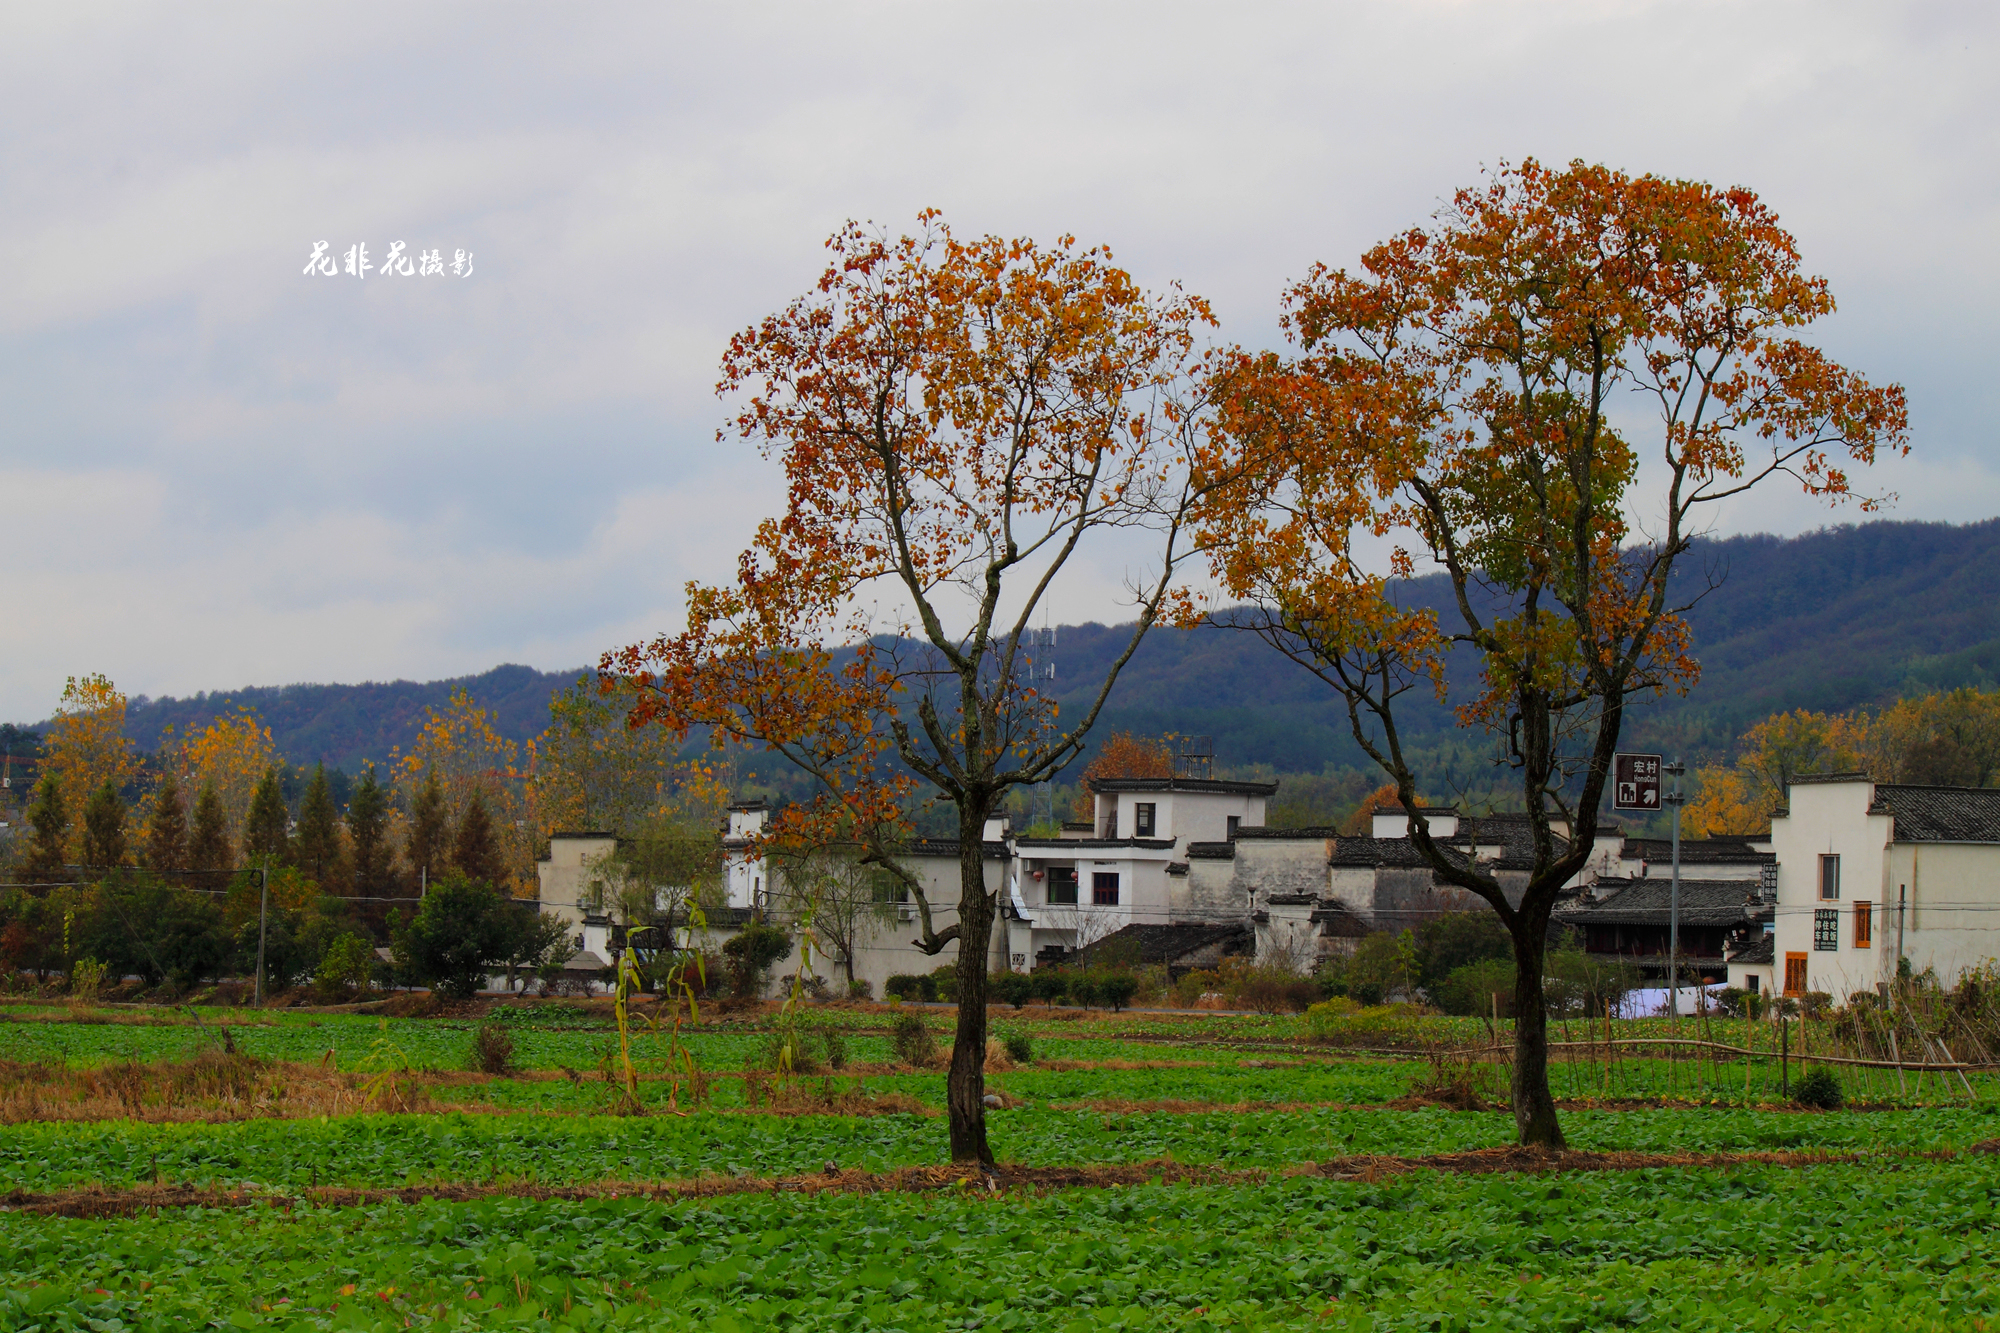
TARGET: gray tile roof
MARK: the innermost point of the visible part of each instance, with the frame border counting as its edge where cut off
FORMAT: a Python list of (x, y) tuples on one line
[(1211, 851), (1645, 902), (1398, 852), (1697, 851), (1940, 814)]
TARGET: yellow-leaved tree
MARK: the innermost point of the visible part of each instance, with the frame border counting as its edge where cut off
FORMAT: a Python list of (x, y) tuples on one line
[(231, 753), (591, 772), (464, 750), (86, 748), (1949, 739), (1776, 750)]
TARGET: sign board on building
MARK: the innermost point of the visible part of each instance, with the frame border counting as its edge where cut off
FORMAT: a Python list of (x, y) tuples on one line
[(1635, 782)]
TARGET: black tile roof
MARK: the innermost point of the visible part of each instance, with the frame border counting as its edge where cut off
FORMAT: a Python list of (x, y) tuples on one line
[(1167, 943), (1940, 814), (1760, 948), (1697, 851), (1375, 852), (1211, 851), (1645, 902), (1315, 832), (949, 847), (1184, 784), (1090, 844)]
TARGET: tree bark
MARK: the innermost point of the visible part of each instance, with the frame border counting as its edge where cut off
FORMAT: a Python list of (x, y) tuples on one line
[(1535, 1121), (965, 1086)]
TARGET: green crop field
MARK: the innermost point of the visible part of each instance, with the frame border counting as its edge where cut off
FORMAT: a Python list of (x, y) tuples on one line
[(519, 1210)]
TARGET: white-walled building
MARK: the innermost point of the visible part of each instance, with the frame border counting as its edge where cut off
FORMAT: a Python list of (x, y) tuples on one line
[(1873, 872), (1175, 852), (1129, 867), (570, 886)]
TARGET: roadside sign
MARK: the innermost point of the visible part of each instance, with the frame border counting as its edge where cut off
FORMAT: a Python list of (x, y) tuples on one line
[(1635, 783)]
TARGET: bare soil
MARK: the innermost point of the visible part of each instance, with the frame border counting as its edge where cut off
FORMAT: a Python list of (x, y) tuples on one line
[(102, 1202)]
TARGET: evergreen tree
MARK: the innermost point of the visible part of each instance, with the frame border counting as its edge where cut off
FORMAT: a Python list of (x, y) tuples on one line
[(208, 845), (430, 830), (104, 828), (49, 818), (317, 844), (264, 833), (476, 852), (367, 823), (167, 833)]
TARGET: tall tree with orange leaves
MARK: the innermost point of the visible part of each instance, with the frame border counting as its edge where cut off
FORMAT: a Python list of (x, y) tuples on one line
[(959, 423), (1454, 397)]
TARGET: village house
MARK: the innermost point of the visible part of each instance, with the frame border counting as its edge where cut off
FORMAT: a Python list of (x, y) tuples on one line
[(1183, 871), (1624, 910), (1871, 873)]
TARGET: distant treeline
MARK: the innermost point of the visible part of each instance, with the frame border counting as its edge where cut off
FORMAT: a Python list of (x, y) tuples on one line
[(1845, 618)]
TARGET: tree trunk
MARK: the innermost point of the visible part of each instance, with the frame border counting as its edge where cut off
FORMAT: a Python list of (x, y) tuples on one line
[(965, 1086), (1534, 1109)]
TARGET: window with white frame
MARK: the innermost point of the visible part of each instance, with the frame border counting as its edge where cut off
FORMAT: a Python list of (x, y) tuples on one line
[(1143, 819)]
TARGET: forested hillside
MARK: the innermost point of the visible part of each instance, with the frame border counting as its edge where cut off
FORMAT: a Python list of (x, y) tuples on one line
[(343, 725), (1833, 620)]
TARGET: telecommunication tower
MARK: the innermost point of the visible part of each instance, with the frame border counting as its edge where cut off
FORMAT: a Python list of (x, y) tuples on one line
[(1042, 674)]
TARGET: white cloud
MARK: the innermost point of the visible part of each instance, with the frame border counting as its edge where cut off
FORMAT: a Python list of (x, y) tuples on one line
[(229, 473)]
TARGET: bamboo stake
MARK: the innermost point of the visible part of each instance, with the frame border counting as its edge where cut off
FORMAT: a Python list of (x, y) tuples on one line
[(1749, 1049)]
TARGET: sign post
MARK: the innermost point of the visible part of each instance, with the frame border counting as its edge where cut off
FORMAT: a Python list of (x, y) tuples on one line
[(1635, 785), (1635, 782)]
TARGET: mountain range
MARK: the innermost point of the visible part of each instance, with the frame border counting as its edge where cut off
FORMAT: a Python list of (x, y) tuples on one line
[(1842, 618)]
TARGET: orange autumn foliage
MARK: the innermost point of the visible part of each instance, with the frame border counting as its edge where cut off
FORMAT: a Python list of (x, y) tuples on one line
[(1122, 755), (955, 420), (1451, 399)]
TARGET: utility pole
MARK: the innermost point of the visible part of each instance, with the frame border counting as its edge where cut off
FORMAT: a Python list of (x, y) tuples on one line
[(1675, 800), (263, 921)]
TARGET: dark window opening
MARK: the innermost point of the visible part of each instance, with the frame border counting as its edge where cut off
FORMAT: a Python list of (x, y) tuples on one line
[(1234, 821), (1062, 885), (1750, 983), (1142, 819), (1104, 888), (1829, 877)]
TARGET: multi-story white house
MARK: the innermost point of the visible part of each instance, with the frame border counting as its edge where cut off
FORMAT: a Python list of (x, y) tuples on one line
[(1858, 874), (1870, 873)]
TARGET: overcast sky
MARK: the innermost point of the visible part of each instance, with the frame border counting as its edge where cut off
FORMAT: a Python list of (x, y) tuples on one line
[(220, 472)]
